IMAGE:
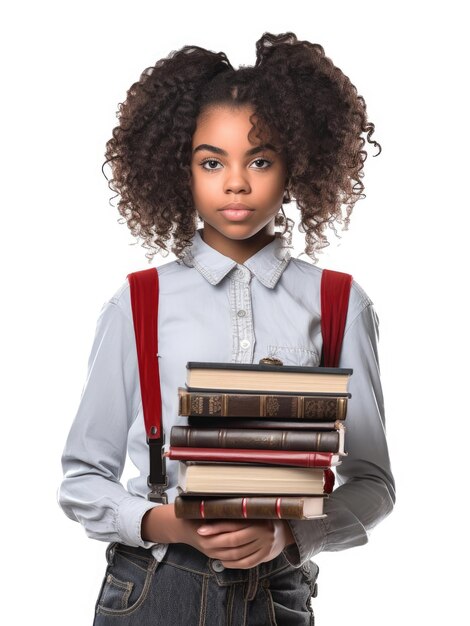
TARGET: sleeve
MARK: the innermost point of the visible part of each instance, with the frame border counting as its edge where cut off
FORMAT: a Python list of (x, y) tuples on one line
[(95, 451), (365, 494)]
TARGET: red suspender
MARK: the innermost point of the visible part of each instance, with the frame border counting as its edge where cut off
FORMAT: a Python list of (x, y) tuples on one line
[(144, 299), (335, 288)]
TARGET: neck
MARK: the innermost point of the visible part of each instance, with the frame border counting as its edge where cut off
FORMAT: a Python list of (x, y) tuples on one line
[(237, 249)]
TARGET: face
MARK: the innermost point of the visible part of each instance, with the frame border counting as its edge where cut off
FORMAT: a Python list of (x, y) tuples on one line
[(237, 185)]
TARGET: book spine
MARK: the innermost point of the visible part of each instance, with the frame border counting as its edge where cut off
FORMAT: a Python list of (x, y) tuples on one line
[(268, 457), (328, 481), (231, 422), (314, 441), (257, 507), (213, 404)]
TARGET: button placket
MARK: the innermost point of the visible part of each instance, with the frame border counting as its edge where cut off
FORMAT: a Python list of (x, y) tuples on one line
[(242, 319)]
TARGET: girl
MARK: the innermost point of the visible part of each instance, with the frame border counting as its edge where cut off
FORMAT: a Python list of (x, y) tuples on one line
[(200, 142)]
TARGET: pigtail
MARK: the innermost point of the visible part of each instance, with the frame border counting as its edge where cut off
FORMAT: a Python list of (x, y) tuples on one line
[(151, 146), (326, 122)]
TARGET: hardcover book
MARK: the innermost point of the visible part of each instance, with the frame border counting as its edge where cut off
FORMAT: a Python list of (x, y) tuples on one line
[(252, 507), (224, 479), (262, 378), (233, 422), (324, 407), (259, 438), (295, 458)]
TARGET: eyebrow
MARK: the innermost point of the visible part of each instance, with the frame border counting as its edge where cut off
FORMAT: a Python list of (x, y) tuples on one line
[(255, 150)]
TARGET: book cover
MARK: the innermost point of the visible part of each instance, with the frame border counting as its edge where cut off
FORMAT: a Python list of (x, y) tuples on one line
[(294, 458), (264, 378), (323, 407), (221, 478), (232, 422), (252, 507), (259, 438)]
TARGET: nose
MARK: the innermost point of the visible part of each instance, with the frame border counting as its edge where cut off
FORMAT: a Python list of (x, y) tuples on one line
[(236, 181)]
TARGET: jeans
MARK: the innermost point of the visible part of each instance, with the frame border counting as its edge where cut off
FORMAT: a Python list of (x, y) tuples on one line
[(189, 589)]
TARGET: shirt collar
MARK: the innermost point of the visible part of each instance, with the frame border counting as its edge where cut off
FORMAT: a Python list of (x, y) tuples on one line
[(267, 264)]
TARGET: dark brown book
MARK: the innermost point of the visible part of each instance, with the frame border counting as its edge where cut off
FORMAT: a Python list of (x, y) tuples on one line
[(254, 507), (233, 422), (268, 439), (211, 403), (261, 378)]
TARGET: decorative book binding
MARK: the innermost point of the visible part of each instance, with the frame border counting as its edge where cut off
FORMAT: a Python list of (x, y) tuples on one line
[(216, 404)]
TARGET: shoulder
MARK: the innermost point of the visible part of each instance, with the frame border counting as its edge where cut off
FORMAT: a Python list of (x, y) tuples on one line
[(359, 300), (122, 296)]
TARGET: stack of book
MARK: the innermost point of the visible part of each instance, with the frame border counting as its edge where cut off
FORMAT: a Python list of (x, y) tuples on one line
[(260, 442)]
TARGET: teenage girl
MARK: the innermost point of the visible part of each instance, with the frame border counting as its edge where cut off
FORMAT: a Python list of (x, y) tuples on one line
[(199, 142)]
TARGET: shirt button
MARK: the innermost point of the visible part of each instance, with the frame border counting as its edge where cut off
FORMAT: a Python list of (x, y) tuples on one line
[(217, 566), (241, 313), (244, 343), (240, 273)]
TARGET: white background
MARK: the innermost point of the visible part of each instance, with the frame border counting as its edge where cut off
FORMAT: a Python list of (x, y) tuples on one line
[(65, 68)]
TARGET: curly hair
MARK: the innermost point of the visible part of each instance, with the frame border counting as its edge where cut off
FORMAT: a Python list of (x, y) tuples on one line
[(294, 90)]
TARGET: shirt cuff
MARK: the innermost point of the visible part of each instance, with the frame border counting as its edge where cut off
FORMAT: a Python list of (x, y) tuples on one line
[(310, 539), (129, 521)]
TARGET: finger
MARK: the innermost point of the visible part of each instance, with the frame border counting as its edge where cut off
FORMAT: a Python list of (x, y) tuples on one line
[(245, 562), (234, 554), (220, 527), (232, 539), (218, 549)]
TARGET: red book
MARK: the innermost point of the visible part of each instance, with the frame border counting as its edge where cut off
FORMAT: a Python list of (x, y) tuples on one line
[(267, 457)]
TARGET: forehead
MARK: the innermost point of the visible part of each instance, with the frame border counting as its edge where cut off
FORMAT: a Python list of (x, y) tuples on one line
[(225, 125)]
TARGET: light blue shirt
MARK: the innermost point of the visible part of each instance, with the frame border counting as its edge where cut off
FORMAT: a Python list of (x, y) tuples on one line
[(212, 308)]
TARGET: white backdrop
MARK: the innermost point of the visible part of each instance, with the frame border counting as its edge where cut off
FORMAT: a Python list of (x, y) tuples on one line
[(65, 68)]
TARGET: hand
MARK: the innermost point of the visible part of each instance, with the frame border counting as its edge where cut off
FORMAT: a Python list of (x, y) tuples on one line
[(237, 543), (243, 543)]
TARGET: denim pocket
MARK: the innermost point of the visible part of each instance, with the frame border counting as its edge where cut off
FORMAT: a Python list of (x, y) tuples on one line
[(290, 591), (310, 571), (295, 355), (127, 580)]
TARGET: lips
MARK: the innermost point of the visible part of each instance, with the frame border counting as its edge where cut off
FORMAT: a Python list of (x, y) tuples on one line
[(236, 212), (236, 206), (236, 215)]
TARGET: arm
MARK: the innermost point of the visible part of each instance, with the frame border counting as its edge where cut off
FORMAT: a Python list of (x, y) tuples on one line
[(95, 451), (366, 494)]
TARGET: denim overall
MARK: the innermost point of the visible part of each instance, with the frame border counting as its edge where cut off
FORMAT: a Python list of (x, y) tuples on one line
[(189, 589)]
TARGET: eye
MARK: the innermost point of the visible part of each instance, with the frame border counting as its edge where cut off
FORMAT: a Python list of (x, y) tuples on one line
[(211, 163), (262, 164)]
